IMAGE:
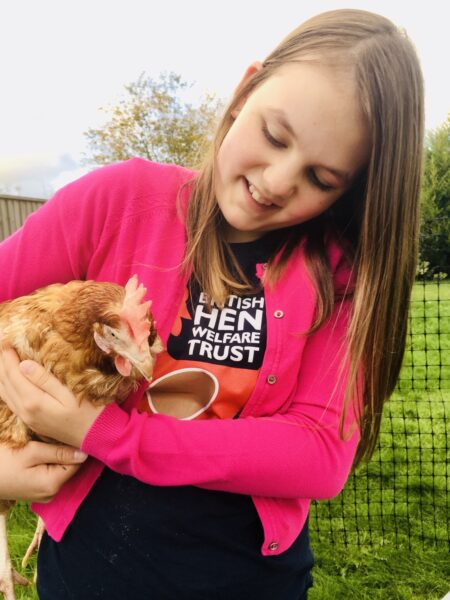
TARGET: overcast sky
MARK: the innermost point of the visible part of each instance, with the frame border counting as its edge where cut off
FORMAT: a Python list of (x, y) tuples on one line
[(61, 60)]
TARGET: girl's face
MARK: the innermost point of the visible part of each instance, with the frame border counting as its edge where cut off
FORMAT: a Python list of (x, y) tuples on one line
[(296, 145)]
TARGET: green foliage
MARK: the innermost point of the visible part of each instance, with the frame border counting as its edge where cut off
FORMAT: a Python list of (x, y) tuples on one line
[(435, 205), (152, 122)]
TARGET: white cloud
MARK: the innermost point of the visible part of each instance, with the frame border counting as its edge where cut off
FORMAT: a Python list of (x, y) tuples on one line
[(67, 176), (33, 175)]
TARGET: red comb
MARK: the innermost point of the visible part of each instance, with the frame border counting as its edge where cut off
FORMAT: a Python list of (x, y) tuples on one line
[(135, 311)]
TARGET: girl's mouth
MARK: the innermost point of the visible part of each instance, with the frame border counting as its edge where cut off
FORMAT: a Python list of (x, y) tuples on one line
[(257, 196)]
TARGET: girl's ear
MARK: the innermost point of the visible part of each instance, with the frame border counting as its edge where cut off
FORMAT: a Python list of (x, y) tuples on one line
[(250, 70)]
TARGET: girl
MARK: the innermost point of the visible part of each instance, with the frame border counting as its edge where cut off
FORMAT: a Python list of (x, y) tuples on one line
[(280, 276)]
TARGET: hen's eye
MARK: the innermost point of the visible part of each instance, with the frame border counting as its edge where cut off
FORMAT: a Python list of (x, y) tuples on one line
[(109, 330)]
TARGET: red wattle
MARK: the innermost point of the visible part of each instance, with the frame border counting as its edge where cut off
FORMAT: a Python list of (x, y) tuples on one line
[(123, 365)]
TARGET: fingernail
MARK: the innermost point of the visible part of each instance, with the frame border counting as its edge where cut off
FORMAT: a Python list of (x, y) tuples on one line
[(79, 456), (27, 367)]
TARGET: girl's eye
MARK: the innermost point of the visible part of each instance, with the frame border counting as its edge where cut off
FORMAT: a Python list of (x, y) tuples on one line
[(316, 181), (271, 139), (312, 175)]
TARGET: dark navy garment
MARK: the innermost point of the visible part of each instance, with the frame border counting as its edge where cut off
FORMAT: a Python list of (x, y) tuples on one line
[(133, 540)]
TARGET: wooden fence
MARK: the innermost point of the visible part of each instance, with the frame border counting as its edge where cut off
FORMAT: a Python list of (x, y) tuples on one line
[(13, 212)]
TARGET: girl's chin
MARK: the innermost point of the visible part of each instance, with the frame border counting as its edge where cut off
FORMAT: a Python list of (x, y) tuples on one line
[(235, 235)]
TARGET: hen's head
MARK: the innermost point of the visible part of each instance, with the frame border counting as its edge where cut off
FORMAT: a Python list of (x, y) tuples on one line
[(128, 333)]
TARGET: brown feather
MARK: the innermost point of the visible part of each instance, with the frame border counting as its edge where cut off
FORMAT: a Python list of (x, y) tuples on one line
[(54, 326)]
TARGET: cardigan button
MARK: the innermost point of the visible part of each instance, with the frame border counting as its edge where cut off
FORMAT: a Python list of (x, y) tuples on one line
[(278, 314), (271, 379), (273, 546)]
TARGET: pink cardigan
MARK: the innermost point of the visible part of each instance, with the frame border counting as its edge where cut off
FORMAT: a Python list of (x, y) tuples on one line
[(284, 449)]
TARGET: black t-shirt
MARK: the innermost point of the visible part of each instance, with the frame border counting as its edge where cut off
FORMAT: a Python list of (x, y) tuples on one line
[(216, 352), (133, 540)]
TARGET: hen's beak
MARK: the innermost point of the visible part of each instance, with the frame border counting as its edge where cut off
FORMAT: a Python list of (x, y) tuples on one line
[(144, 364)]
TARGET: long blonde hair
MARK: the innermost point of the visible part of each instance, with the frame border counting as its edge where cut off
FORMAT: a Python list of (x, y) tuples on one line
[(376, 221)]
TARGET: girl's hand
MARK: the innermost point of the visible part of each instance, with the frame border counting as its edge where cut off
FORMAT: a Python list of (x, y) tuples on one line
[(37, 471), (47, 406)]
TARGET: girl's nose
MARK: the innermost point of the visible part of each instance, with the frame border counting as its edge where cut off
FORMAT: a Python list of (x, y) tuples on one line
[(280, 180)]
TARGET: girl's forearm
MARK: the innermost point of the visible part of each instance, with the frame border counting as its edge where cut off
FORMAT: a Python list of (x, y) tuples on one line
[(280, 456)]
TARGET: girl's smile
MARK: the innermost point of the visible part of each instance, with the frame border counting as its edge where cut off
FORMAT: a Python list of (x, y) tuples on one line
[(257, 200), (277, 168)]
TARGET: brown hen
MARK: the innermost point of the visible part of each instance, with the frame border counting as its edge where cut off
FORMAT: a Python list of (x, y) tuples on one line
[(98, 339)]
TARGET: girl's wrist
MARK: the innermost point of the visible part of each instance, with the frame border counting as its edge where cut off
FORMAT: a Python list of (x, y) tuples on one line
[(87, 417), (101, 437)]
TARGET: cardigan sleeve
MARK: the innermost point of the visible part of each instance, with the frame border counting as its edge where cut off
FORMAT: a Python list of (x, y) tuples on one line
[(295, 454)]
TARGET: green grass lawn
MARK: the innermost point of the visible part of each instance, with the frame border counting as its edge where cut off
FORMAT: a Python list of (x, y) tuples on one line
[(379, 573), (387, 535), (393, 513), (427, 360)]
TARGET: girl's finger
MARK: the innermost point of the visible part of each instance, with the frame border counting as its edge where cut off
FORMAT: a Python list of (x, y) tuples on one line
[(40, 377), (43, 453), (48, 479)]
